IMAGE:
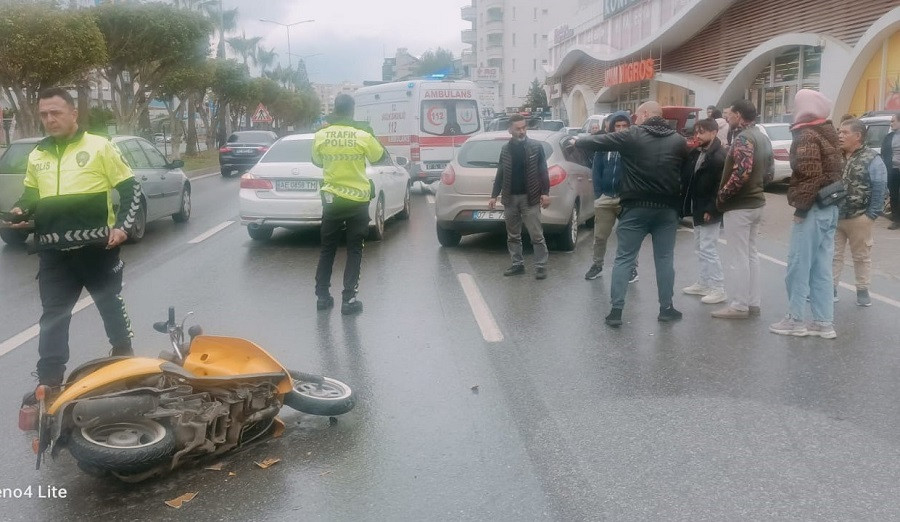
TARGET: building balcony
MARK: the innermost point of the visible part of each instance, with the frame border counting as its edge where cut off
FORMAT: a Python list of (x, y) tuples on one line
[(469, 13), (493, 25), (468, 37), (468, 59), (493, 51)]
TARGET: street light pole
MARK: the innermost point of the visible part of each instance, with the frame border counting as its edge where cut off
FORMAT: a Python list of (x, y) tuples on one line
[(287, 30)]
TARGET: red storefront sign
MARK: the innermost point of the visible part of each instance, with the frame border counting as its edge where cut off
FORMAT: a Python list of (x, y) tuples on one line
[(630, 72)]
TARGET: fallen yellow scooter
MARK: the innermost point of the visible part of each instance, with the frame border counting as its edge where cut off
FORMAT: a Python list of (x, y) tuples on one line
[(138, 417)]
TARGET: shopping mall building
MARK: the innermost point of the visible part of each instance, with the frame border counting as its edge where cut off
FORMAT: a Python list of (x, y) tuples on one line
[(620, 53)]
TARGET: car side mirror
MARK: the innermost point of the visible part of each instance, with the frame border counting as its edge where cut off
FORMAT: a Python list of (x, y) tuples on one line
[(176, 164), (401, 161)]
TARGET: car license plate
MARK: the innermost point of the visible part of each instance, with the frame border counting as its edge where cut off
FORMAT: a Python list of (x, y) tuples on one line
[(306, 185), (435, 166), (243, 152), (487, 215)]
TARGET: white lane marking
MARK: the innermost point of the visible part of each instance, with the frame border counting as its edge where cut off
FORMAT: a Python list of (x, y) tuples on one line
[(211, 232), (483, 316), (206, 176), (429, 198), (30, 333)]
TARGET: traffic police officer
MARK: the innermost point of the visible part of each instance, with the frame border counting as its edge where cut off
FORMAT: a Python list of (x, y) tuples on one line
[(67, 192), (341, 150)]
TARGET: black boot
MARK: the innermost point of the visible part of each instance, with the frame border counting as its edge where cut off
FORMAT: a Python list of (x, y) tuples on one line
[(615, 317), (668, 314), (122, 349), (324, 302), (351, 306)]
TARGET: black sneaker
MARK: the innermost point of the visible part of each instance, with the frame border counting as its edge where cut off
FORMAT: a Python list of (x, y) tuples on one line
[(615, 317), (324, 303), (668, 314), (514, 270), (124, 350), (634, 276), (31, 400), (540, 273), (862, 298), (894, 225), (593, 272), (351, 307)]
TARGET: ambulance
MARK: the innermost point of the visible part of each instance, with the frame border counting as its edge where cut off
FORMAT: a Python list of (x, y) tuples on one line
[(425, 121)]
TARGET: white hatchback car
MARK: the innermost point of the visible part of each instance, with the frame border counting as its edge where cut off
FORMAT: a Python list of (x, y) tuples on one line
[(282, 190)]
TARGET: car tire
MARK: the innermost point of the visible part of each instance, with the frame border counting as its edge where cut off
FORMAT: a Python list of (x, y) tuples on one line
[(569, 237), (260, 232), (404, 214), (14, 237), (376, 231), (184, 213), (139, 228), (448, 238)]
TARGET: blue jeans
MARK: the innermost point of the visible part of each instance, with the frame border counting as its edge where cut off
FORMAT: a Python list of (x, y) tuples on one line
[(634, 225), (706, 245), (809, 265)]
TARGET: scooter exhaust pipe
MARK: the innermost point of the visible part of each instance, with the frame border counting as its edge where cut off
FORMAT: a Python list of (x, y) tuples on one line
[(91, 412)]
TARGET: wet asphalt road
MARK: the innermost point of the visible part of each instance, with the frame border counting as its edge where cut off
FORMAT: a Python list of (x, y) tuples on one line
[(570, 420)]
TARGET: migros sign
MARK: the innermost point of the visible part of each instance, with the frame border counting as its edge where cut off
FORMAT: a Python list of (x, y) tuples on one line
[(630, 72)]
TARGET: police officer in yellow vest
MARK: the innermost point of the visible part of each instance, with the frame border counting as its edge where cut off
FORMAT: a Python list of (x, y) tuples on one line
[(341, 149), (67, 192)]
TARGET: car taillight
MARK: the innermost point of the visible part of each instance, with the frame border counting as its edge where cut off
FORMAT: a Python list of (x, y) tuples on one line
[(415, 154), (782, 154), (557, 175), (262, 149), (249, 181), (448, 177), (225, 150)]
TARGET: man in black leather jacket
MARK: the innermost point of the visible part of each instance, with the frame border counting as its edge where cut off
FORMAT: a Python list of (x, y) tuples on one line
[(653, 156)]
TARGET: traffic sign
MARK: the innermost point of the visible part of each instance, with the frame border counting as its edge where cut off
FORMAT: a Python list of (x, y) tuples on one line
[(261, 115)]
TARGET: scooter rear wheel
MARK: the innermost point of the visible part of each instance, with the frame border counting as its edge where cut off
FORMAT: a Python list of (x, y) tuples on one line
[(328, 397), (126, 446)]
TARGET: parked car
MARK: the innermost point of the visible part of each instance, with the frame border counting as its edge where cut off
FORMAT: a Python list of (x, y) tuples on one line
[(780, 136), (282, 190), (552, 125), (167, 191), (162, 138), (462, 196), (877, 128), (243, 149), (594, 123)]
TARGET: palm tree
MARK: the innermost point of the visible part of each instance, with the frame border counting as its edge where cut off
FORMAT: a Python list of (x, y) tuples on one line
[(265, 59), (246, 48), (224, 20)]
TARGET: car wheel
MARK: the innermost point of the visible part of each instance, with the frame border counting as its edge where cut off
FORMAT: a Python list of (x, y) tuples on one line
[(14, 237), (569, 237), (404, 214), (259, 232), (140, 224), (376, 231), (185, 213), (447, 237)]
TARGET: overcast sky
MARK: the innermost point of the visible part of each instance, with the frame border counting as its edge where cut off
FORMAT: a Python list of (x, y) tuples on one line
[(353, 36)]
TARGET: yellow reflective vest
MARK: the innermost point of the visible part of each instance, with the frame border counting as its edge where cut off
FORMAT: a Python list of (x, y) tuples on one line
[(342, 150), (67, 189)]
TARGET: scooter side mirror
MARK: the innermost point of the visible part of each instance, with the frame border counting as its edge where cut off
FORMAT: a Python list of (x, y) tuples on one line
[(195, 330), (161, 327)]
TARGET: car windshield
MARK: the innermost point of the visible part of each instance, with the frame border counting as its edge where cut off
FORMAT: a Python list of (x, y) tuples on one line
[(486, 153), (251, 137), (289, 151), (450, 117), (778, 132), (552, 125), (15, 158), (876, 134)]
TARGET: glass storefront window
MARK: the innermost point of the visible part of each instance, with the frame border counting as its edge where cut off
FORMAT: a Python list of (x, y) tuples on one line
[(774, 87)]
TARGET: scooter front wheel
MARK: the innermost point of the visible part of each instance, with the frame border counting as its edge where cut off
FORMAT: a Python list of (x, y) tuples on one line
[(126, 446), (322, 396)]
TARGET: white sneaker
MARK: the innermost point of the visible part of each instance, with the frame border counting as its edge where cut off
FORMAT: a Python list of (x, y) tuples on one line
[(823, 330), (696, 289), (715, 296)]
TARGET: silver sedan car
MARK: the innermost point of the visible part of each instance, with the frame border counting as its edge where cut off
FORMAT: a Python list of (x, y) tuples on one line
[(462, 195), (780, 136), (166, 189)]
